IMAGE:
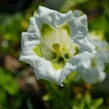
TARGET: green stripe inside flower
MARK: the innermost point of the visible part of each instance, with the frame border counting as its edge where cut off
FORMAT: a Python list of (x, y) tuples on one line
[(56, 45)]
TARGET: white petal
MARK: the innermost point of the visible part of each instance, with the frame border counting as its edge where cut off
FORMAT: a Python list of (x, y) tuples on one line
[(83, 59), (92, 75), (84, 43), (44, 70), (33, 28), (102, 49), (78, 25), (51, 17)]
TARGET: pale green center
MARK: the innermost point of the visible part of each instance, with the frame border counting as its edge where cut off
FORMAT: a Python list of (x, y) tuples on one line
[(56, 45)]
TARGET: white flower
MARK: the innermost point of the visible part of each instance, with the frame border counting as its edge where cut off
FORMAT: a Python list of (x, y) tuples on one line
[(56, 44), (95, 72)]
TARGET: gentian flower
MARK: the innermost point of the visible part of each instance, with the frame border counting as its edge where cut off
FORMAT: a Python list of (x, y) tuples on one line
[(95, 73), (56, 44)]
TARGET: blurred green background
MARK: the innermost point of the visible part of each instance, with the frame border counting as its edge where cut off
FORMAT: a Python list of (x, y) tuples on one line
[(18, 87)]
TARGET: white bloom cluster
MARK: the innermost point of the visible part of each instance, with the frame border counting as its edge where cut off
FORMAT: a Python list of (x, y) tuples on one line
[(57, 44)]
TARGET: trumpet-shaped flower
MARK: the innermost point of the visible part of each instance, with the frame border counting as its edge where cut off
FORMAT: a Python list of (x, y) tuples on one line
[(95, 72), (56, 44)]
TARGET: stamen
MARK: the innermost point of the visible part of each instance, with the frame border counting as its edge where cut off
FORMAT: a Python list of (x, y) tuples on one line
[(67, 55), (60, 60), (56, 46), (54, 55)]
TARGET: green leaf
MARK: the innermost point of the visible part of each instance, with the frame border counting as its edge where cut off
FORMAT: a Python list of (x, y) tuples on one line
[(97, 103), (7, 82), (3, 97)]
